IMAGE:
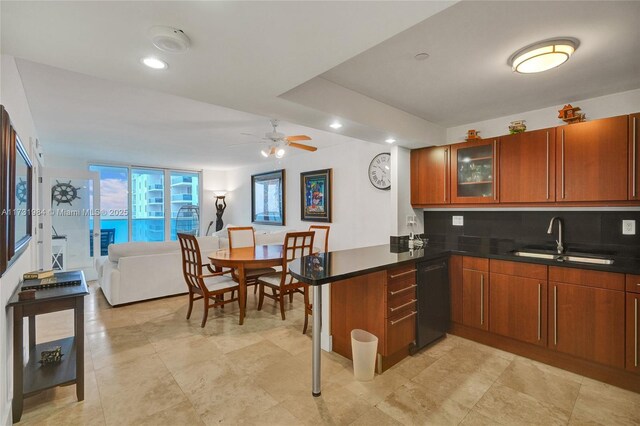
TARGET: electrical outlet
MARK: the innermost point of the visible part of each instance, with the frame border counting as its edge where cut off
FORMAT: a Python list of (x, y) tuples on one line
[(628, 227), (411, 220), (458, 220)]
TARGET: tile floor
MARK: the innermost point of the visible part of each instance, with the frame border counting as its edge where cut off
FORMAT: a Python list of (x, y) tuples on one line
[(147, 365)]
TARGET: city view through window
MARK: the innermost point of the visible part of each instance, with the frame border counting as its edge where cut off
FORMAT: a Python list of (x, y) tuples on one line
[(146, 206)]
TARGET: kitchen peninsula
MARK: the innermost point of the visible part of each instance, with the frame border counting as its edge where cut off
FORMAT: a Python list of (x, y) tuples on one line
[(365, 295)]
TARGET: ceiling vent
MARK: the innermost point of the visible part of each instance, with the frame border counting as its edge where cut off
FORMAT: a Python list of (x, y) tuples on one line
[(168, 39)]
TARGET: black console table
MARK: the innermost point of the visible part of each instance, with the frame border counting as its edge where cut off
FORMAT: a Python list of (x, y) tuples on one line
[(32, 377)]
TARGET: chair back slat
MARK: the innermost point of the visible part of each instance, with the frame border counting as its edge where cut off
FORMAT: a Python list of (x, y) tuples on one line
[(191, 261), (321, 238), (241, 236), (296, 245)]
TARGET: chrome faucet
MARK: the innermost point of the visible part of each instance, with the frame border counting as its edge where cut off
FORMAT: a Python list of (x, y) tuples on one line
[(560, 247)]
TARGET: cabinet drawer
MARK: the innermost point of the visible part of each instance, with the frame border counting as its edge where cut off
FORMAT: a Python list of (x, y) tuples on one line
[(633, 283), (475, 263), (599, 279), (519, 269), (400, 331), (402, 273), (403, 302)]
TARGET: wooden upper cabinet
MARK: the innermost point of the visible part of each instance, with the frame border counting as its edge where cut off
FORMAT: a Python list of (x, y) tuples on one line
[(474, 177), (527, 167), (592, 160), (430, 175), (634, 156)]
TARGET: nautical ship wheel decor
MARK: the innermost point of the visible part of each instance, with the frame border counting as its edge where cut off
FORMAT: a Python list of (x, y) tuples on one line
[(21, 191), (64, 193)]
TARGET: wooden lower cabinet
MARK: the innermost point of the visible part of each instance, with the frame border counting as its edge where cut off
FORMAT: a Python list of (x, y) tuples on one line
[(518, 308), (382, 303), (475, 299), (633, 332), (587, 322)]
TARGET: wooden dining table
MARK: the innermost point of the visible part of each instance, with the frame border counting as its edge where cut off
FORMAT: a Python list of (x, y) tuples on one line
[(243, 258)]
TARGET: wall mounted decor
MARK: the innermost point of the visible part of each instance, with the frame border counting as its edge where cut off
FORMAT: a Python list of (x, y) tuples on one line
[(16, 194), (64, 192), (315, 195), (4, 187), (268, 198), (380, 171)]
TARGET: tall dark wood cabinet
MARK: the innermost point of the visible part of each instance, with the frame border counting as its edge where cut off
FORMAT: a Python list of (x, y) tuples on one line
[(527, 167), (592, 160), (430, 175)]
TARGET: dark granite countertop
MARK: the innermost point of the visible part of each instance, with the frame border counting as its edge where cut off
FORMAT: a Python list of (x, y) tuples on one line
[(324, 268)]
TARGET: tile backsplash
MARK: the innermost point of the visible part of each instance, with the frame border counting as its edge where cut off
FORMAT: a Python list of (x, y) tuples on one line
[(591, 229)]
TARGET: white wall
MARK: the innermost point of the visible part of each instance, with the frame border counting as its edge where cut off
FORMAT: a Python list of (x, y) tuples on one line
[(401, 193), (13, 98), (600, 107), (362, 215)]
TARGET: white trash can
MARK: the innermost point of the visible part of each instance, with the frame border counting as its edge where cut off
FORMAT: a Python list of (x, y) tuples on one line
[(364, 348)]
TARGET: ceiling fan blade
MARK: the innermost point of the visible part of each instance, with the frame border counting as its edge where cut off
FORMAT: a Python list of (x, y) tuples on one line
[(298, 138), (302, 146)]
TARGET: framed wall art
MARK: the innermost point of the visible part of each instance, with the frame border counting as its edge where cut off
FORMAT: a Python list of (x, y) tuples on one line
[(268, 198), (315, 196), (4, 188)]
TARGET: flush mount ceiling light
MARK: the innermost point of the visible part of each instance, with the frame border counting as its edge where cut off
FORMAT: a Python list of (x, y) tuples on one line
[(390, 140), (168, 39), (335, 125), (155, 63), (543, 56)]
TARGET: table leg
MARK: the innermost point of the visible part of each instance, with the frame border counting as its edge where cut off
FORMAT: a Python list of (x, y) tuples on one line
[(316, 354), (32, 331), (242, 292), (18, 361), (79, 338)]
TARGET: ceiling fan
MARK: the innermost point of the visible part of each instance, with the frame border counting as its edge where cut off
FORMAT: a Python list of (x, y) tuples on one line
[(279, 141)]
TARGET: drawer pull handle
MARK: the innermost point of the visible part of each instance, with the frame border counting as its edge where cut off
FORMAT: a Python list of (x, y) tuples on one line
[(402, 273), (392, 293), (403, 306), (403, 318), (635, 334)]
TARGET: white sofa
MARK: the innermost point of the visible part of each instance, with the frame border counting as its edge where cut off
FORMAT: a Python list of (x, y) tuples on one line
[(140, 271)]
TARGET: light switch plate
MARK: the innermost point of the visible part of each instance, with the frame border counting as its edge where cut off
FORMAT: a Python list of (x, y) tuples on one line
[(628, 227), (458, 220)]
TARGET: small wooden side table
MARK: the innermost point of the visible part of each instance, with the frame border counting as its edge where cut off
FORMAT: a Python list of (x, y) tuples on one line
[(32, 377)]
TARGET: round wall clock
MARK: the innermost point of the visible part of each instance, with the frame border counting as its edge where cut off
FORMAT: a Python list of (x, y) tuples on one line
[(380, 171)]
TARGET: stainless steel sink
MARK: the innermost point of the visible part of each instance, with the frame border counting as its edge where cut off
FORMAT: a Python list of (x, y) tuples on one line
[(536, 255), (585, 259), (597, 260)]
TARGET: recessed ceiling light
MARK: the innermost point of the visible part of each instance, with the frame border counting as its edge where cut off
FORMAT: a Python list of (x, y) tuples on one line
[(335, 125), (155, 63), (421, 56), (390, 140), (543, 56)]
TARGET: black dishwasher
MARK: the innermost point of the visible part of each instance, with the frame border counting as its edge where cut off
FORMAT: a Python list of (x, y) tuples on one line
[(432, 321)]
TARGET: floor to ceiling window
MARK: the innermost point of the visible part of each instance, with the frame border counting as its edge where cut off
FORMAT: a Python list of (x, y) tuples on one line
[(157, 203), (114, 201)]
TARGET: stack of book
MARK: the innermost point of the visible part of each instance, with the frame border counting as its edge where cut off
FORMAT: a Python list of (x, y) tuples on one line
[(39, 280)]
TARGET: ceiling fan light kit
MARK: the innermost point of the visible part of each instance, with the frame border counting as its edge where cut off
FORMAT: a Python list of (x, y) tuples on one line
[(279, 142)]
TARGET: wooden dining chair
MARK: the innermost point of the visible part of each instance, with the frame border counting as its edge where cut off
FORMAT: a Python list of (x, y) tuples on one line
[(211, 287), (321, 239), (245, 236), (282, 283), (321, 236)]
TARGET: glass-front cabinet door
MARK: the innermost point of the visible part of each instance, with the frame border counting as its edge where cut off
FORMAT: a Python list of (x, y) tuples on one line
[(474, 172)]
